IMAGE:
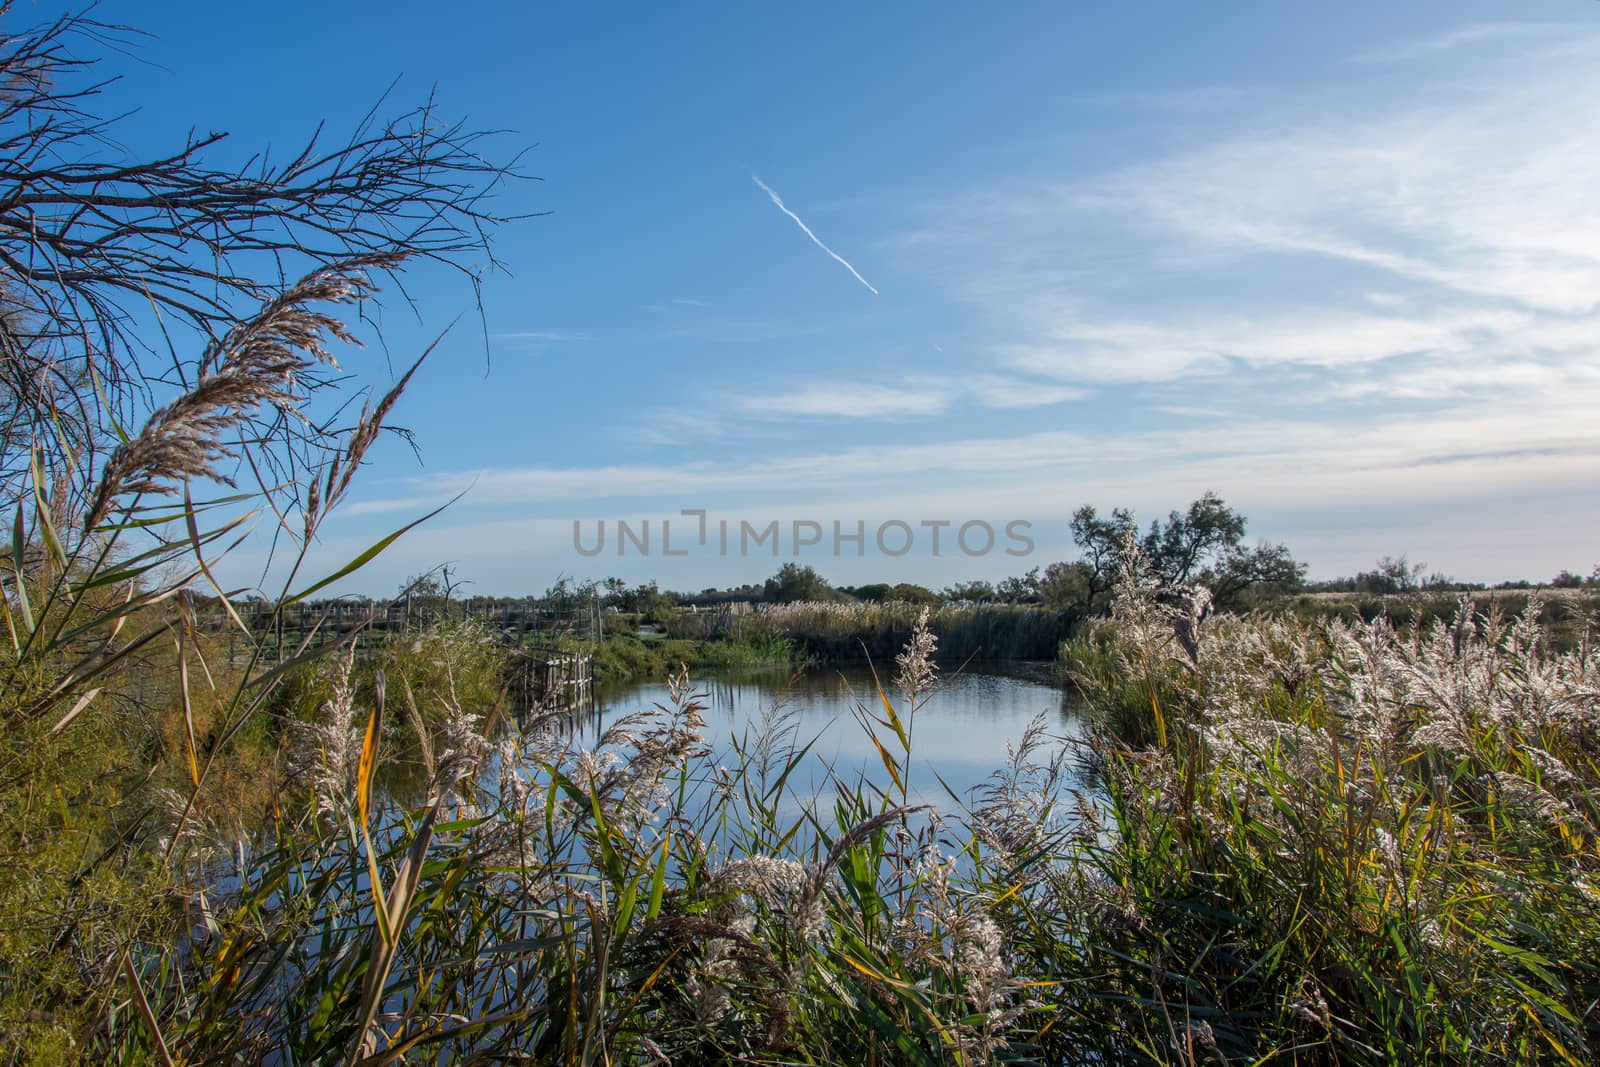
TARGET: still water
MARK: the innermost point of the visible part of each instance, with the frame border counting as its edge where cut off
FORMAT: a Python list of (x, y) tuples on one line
[(960, 733)]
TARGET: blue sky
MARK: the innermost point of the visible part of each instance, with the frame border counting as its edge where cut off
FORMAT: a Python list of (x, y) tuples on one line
[(1340, 265)]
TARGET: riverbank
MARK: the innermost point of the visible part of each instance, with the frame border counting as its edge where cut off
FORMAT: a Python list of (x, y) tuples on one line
[(809, 633)]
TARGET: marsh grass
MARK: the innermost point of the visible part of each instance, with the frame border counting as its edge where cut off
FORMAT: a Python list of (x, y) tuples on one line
[(1328, 844), (840, 632)]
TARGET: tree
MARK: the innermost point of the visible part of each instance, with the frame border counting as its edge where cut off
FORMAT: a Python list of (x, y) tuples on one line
[(1067, 586), (974, 592), (910, 593), (1104, 545), (795, 582), (1020, 589), (1202, 545), (1180, 548), (644, 599), (1240, 571), (434, 591), (1391, 576)]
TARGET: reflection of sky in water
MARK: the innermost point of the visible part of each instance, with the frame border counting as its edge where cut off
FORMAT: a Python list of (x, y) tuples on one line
[(960, 733)]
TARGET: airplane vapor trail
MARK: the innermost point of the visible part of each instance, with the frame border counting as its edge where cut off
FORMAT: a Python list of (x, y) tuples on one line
[(778, 200)]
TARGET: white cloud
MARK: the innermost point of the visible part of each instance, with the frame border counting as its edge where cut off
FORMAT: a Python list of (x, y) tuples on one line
[(1484, 191), (1467, 449), (1188, 411), (1462, 211), (995, 391), (544, 336), (918, 396), (1460, 37), (844, 400)]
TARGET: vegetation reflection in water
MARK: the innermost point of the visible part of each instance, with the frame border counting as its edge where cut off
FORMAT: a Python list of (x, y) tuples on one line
[(963, 732)]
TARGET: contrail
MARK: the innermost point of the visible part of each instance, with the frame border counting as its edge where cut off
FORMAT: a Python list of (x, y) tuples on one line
[(776, 199)]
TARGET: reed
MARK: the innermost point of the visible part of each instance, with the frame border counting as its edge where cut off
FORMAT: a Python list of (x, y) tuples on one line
[(836, 632), (1327, 843)]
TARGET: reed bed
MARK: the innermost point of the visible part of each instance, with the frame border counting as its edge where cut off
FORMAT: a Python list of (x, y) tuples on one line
[(834, 632), (1329, 844)]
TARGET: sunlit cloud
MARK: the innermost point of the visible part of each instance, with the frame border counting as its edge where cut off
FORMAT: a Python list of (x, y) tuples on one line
[(995, 391), (1483, 445), (842, 400)]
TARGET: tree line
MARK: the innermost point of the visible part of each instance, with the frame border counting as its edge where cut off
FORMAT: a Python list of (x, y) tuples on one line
[(1202, 545)]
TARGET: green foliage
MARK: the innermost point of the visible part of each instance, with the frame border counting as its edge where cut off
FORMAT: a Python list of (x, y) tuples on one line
[(973, 592), (833, 632), (1331, 845), (749, 646), (883, 593), (631, 657), (1203, 545), (1342, 844), (172, 330), (797, 582), (645, 600)]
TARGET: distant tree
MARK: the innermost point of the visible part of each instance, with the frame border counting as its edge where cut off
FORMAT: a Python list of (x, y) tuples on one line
[(794, 582), (1239, 572), (1202, 545), (643, 599), (974, 592), (1067, 586), (1440, 580), (1566, 580), (1391, 576), (423, 587), (914, 594), (1103, 544), (1019, 589), (434, 592), (1180, 548), (568, 594), (873, 592)]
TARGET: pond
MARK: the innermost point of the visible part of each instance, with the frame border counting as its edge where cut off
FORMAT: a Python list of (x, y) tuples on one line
[(960, 734)]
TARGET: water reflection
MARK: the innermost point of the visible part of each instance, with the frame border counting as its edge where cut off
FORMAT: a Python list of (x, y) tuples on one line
[(959, 735)]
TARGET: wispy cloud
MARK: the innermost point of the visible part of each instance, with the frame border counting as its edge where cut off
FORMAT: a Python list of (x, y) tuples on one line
[(996, 391), (1440, 244), (1477, 448), (1187, 411), (842, 400), (543, 336), (778, 200), (1372, 307), (918, 395), (1459, 37)]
